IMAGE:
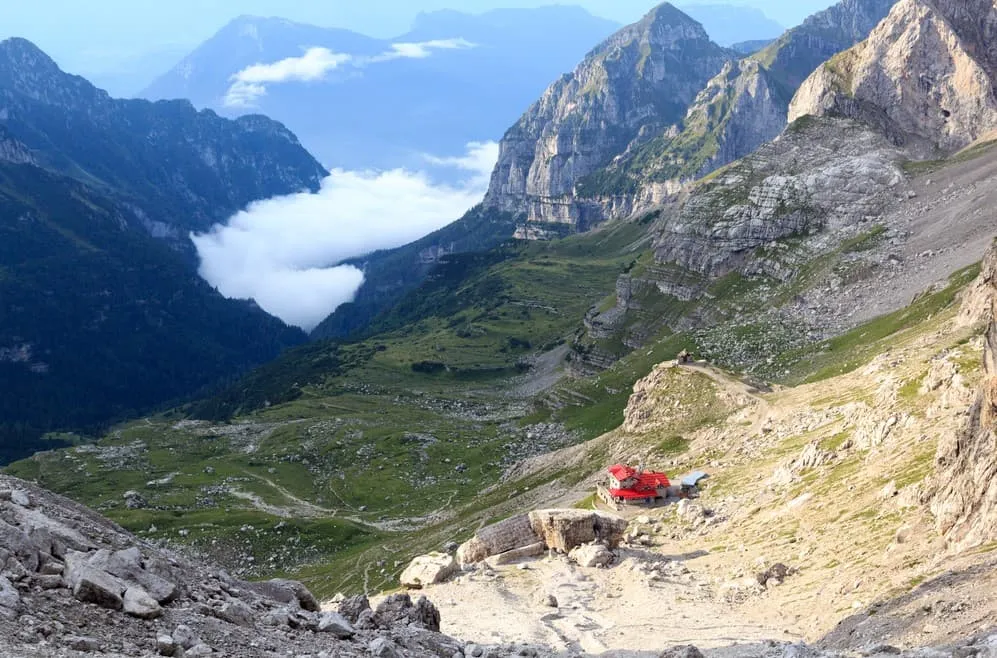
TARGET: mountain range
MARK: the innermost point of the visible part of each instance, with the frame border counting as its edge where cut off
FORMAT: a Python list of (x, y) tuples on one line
[(624, 132), (816, 233), (454, 78), (104, 314)]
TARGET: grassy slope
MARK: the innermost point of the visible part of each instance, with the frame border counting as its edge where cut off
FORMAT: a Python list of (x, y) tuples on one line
[(376, 460), (344, 437)]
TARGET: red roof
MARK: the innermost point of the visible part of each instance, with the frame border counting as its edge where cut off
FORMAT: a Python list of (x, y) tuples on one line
[(647, 484), (621, 472)]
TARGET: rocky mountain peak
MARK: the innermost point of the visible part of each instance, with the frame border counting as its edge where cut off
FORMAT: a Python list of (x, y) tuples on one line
[(663, 25), (20, 51), (925, 76), (636, 83), (28, 71)]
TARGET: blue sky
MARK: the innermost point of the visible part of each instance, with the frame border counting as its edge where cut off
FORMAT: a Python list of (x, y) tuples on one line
[(100, 35)]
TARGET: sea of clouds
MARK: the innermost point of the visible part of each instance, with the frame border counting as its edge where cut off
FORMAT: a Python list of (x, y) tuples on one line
[(285, 252)]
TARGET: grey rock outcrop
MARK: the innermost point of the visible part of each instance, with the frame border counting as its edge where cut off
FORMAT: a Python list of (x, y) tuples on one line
[(965, 501), (557, 529), (925, 76), (635, 84), (399, 609), (823, 175), (336, 624)]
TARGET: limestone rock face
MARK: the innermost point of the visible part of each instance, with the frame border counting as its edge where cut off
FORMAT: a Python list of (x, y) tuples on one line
[(428, 570), (925, 76), (965, 500), (632, 86), (509, 534), (823, 175), (565, 529), (527, 534)]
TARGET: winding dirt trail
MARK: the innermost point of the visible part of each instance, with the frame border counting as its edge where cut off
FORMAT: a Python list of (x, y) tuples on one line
[(736, 387)]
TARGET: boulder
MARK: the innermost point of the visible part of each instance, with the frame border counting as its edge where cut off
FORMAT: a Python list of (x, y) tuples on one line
[(92, 585), (426, 615), (129, 566), (335, 624), (591, 555), (138, 603), (83, 644), (288, 591), (774, 575), (514, 532), (689, 510), (516, 554), (382, 647), (21, 498), (548, 600), (353, 607), (565, 529), (398, 609), (428, 570), (185, 637), (236, 612), (165, 645), (10, 599), (684, 651)]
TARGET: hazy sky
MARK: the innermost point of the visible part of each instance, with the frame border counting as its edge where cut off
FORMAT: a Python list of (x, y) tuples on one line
[(101, 35)]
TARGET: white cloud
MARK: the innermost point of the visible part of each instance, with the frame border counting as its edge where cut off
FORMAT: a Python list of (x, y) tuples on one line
[(422, 49), (283, 252), (250, 84), (480, 159)]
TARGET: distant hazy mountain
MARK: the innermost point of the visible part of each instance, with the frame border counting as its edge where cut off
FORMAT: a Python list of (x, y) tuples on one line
[(102, 315), (730, 24), (750, 47), (125, 77), (185, 170), (371, 103)]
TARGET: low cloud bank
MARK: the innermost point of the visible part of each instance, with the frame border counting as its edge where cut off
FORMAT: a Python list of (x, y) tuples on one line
[(250, 84), (283, 252)]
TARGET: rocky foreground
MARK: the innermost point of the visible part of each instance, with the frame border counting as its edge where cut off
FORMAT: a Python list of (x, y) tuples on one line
[(74, 583)]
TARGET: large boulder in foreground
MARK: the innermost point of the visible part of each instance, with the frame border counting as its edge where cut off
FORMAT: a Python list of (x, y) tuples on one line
[(428, 570), (558, 529), (507, 535), (565, 529)]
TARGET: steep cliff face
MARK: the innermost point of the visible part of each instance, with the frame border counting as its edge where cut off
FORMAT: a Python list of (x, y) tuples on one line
[(738, 111), (965, 504), (826, 174), (631, 87), (925, 76), (765, 217), (741, 108), (184, 169), (795, 55)]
